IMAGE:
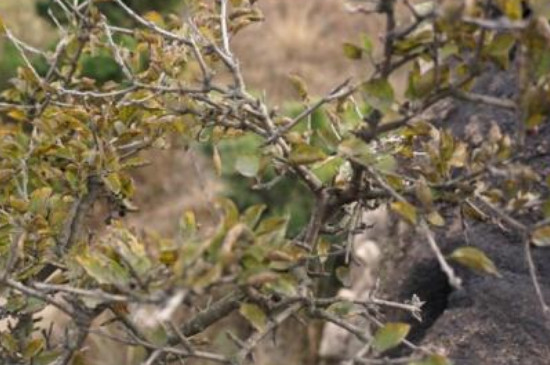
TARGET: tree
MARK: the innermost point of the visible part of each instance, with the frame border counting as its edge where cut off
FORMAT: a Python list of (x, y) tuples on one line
[(69, 142)]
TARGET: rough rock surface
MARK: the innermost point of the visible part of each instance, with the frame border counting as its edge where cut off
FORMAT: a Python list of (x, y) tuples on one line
[(491, 320)]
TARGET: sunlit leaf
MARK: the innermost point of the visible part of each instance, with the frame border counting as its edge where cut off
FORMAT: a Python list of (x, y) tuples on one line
[(113, 183), (304, 154), (390, 336), (252, 215), (255, 315), (352, 51), (541, 236), (379, 94), (405, 211), (343, 308), (247, 165), (300, 86), (103, 269), (475, 259)]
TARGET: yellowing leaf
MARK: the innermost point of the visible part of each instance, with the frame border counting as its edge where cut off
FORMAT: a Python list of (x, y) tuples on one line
[(386, 163), (405, 210), (342, 309), (299, 85), (323, 249), (475, 259), (252, 215), (217, 161), (541, 236), (154, 17), (254, 314), (103, 269), (2, 27), (435, 219), (113, 183), (39, 200), (433, 360), (33, 348), (230, 211), (18, 114), (352, 51), (511, 8), (304, 154), (247, 165), (423, 193), (389, 336)]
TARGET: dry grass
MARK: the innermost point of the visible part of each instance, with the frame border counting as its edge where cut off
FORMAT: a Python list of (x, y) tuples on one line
[(303, 37), (21, 18)]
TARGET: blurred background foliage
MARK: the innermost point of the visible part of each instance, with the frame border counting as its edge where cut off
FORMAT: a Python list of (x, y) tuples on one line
[(287, 33), (101, 67)]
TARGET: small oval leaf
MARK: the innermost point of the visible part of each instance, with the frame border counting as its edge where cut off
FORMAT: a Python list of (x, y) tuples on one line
[(255, 315), (391, 335), (405, 211), (475, 259)]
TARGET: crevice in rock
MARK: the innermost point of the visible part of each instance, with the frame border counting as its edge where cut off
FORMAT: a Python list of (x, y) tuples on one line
[(430, 284)]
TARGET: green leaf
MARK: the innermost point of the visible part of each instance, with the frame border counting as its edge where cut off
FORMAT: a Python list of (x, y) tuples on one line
[(255, 315), (217, 160), (304, 154), (511, 8), (405, 211), (103, 269), (389, 336), (475, 259), (230, 210), (247, 165), (499, 49), (379, 94), (352, 51), (422, 84), (252, 215), (39, 200), (367, 44), (33, 348), (541, 236), (385, 163), (342, 309), (328, 169), (272, 229), (113, 183)]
